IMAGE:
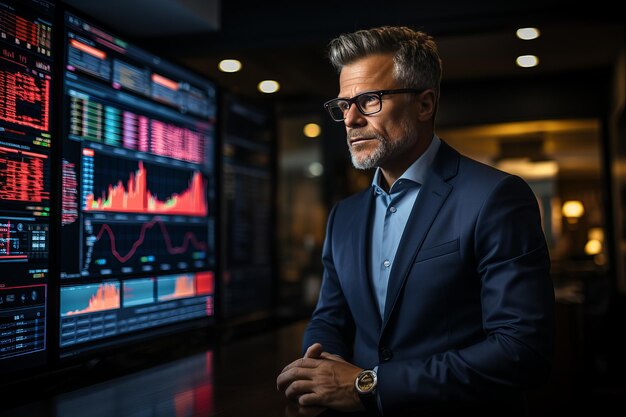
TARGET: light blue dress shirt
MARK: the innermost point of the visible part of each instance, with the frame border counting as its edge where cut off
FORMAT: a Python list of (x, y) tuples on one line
[(391, 212)]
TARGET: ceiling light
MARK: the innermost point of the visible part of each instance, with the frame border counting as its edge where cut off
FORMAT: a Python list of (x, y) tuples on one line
[(527, 34), (312, 130), (229, 65), (268, 86), (527, 61)]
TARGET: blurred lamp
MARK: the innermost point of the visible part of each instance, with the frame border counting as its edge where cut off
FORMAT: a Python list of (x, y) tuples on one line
[(315, 169), (573, 210), (312, 130), (593, 247)]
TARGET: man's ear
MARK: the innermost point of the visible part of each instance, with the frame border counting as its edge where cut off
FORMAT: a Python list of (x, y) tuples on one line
[(427, 105)]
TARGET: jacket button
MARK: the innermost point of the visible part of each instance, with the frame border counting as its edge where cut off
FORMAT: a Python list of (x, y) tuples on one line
[(385, 354)]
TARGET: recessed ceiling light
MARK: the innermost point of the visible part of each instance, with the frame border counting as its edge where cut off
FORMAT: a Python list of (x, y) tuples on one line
[(528, 34), (527, 61), (268, 86), (229, 65)]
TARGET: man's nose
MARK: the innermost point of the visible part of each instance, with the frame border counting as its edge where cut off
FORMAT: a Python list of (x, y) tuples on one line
[(353, 117)]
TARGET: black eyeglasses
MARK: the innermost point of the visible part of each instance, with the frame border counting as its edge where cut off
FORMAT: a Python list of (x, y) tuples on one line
[(369, 102)]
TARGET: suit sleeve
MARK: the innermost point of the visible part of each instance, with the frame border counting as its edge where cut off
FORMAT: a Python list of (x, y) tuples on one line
[(331, 323), (517, 296)]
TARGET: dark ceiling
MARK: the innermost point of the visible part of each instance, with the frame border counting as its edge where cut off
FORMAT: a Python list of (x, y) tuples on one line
[(286, 41)]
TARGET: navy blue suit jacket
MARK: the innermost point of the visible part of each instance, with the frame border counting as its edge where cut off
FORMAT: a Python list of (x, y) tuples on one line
[(469, 314)]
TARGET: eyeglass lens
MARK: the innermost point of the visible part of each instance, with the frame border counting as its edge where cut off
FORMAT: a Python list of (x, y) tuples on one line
[(367, 103)]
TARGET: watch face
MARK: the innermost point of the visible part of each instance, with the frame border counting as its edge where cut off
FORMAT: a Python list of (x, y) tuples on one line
[(366, 381)]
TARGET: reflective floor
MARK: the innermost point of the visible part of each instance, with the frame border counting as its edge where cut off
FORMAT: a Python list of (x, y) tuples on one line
[(237, 379)]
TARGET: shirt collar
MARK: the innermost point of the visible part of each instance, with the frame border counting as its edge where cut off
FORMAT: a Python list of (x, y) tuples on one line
[(417, 171)]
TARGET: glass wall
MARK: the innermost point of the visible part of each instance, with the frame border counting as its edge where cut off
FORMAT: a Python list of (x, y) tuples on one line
[(302, 213)]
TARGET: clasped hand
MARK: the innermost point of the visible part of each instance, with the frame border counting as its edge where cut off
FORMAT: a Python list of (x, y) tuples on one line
[(321, 379)]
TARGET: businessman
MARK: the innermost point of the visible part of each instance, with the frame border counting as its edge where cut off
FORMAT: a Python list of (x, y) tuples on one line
[(436, 296)]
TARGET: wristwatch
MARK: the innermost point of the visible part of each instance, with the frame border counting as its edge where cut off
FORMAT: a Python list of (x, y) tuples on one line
[(365, 383)]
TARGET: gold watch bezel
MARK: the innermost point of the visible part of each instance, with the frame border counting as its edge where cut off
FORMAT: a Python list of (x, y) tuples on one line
[(366, 381)]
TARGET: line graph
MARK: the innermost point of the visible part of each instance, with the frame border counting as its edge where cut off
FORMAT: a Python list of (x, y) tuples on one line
[(188, 238), (131, 247)]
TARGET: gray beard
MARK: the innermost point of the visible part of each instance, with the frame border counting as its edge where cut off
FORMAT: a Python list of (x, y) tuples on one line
[(385, 149), (371, 160)]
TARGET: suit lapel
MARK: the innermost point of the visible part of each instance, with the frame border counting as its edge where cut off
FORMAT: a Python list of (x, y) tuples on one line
[(361, 241), (431, 197)]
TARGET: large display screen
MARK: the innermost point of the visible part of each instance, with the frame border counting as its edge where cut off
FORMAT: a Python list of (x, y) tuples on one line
[(25, 143), (138, 192), (246, 291)]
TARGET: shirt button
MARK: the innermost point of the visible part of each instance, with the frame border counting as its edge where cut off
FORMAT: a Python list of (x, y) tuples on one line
[(392, 209), (386, 263)]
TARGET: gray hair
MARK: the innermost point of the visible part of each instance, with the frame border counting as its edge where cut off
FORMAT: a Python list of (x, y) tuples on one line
[(415, 56)]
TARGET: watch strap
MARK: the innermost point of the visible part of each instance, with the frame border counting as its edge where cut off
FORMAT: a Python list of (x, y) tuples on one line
[(370, 403)]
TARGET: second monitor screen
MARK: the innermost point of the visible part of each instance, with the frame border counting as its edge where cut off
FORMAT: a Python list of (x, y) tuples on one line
[(138, 191)]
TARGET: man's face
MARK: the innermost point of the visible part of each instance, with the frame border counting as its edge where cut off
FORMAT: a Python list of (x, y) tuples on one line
[(380, 139)]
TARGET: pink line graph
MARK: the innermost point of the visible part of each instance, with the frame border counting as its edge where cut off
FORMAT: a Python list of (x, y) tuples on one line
[(189, 237)]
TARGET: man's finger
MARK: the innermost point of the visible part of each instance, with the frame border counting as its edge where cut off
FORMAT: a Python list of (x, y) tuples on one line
[(299, 387), (302, 363), (287, 377), (314, 351), (310, 400), (332, 356)]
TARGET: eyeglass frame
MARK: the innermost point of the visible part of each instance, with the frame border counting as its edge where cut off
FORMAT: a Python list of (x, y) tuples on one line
[(379, 93)]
